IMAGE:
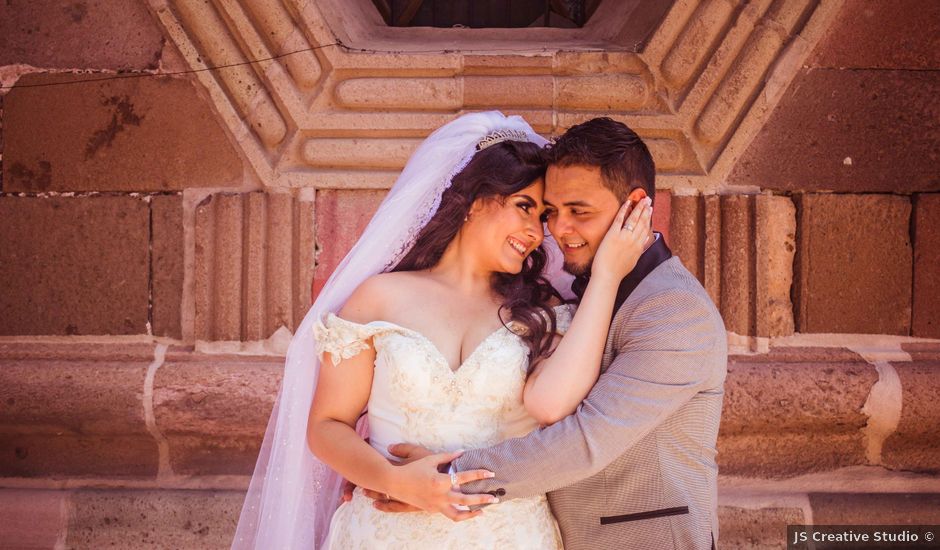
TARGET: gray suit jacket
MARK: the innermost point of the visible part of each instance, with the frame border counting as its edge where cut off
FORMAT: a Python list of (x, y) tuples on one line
[(634, 466)]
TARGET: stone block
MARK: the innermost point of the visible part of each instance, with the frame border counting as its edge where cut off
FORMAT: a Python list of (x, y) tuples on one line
[(94, 34), (166, 213), (342, 216), (250, 275), (52, 456), (875, 508), (74, 265), (213, 410), (153, 518), (504, 92), (712, 262), (443, 94), (739, 85), (74, 410), (903, 34), (737, 263), (756, 529), (784, 417), (687, 231), (926, 321), (914, 446), (218, 46), (853, 265), (130, 134), (849, 131), (775, 246), (697, 38), (31, 518), (359, 153), (922, 351), (609, 92)]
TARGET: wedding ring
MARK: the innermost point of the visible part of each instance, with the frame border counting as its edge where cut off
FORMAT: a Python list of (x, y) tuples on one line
[(453, 479), (630, 227)]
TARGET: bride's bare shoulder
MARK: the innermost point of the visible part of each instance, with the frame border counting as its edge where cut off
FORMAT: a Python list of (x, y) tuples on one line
[(376, 296)]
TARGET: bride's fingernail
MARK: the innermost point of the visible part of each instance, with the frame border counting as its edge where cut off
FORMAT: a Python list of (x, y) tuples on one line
[(494, 500), (489, 474)]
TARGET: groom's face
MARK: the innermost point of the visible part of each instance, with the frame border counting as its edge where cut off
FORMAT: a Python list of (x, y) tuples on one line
[(579, 209)]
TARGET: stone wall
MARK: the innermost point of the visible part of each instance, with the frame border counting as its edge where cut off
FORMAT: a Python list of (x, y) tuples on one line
[(169, 209)]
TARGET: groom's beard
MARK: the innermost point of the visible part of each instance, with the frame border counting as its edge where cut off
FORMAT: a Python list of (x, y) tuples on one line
[(577, 270)]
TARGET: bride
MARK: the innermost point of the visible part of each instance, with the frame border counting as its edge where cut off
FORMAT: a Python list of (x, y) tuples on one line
[(439, 324)]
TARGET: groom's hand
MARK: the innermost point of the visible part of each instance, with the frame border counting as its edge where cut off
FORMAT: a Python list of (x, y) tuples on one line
[(420, 484)]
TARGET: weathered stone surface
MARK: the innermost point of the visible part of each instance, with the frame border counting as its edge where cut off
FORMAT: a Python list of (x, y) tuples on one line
[(74, 410), (775, 246), (785, 418), (738, 86), (492, 91), (914, 445), (400, 93), (359, 153), (737, 263), (218, 47), (74, 265), (90, 34), (926, 321), (165, 519), (756, 529), (858, 131), (903, 34), (923, 351), (213, 410), (31, 518), (840, 238), (130, 134), (695, 41), (342, 216), (252, 271), (687, 227), (712, 264), (167, 264), (875, 508), (601, 92)]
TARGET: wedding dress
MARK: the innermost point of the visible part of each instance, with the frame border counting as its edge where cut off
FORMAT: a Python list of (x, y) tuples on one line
[(417, 398)]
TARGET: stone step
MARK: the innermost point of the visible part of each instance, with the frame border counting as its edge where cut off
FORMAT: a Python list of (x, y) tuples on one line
[(144, 411), (206, 519)]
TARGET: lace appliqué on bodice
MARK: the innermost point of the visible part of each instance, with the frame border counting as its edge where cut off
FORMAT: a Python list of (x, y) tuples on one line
[(416, 394)]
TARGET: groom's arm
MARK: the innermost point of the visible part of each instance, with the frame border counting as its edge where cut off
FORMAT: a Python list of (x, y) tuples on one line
[(671, 351)]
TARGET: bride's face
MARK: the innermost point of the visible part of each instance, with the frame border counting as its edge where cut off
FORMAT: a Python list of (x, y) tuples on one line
[(504, 231)]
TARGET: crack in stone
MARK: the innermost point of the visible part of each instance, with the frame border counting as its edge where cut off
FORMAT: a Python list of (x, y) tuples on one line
[(163, 447)]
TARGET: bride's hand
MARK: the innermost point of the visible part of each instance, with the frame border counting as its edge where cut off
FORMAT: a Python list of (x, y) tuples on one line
[(421, 485), (624, 242)]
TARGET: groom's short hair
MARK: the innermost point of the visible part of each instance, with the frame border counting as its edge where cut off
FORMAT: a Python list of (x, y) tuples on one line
[(623, 158)]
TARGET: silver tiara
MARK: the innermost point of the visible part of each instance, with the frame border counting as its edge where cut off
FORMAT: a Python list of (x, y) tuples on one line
[(501, 135)]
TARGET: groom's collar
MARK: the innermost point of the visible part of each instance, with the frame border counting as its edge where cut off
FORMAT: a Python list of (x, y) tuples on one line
[(656, 254)]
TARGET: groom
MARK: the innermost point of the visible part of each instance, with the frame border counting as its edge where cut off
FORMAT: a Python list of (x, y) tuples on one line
[(634, 466)]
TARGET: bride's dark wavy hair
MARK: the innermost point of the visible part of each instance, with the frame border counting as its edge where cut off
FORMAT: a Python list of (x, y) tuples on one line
[(495, 173)]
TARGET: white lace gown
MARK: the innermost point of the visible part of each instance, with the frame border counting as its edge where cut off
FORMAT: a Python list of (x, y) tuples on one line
[(417, 398)]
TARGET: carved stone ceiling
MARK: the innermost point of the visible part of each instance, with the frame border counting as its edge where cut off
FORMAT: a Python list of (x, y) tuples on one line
[(696, 79)]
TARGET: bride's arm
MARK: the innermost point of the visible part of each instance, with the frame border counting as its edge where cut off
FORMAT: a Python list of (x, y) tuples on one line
[(561, 381), (341, 396)]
